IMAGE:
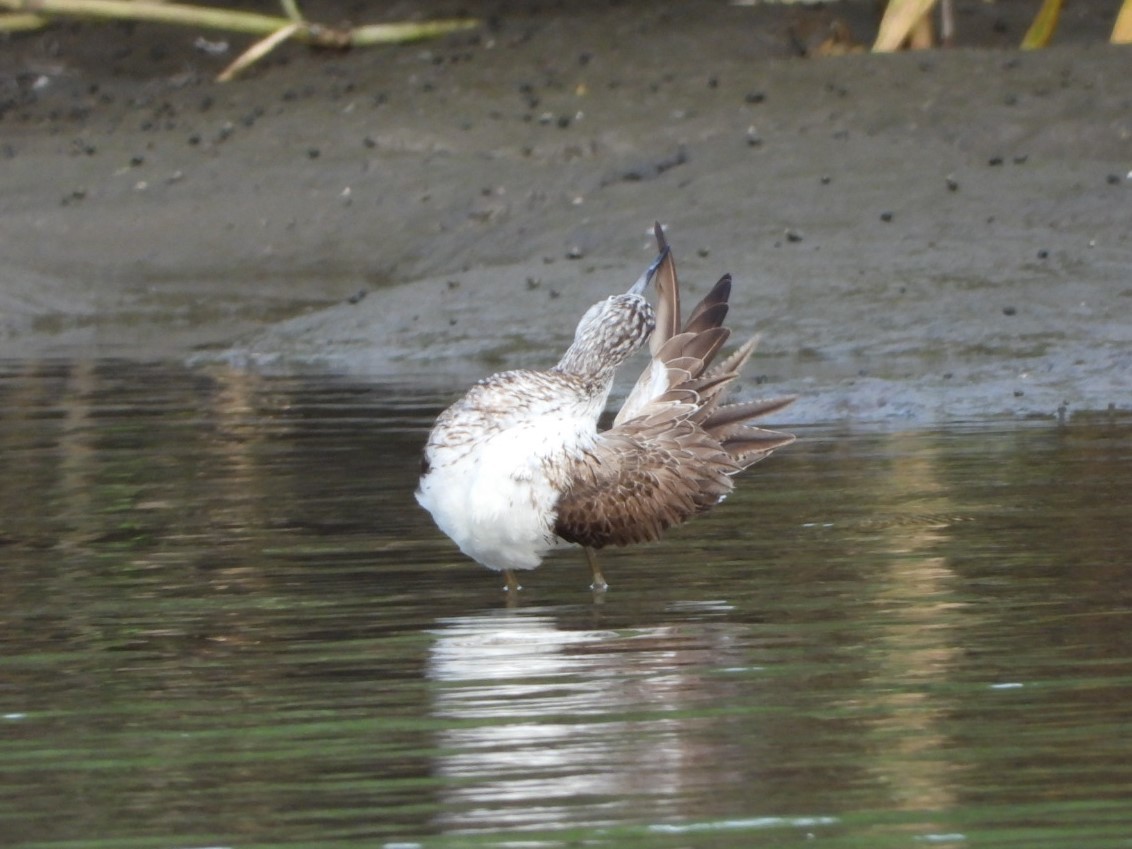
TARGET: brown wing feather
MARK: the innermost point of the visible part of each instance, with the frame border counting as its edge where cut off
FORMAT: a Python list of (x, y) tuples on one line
[(636, 483), (668, 296), (712, 310), (675, 446)]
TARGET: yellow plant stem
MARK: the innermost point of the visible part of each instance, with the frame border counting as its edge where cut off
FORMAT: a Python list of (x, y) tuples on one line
[(1122, 29), (901, 20), (1045, 22)]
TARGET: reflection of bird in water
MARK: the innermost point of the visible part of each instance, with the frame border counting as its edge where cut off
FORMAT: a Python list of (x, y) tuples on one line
[(517, 466)]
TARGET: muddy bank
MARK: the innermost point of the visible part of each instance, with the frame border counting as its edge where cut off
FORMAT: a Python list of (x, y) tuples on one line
[(917, 237)]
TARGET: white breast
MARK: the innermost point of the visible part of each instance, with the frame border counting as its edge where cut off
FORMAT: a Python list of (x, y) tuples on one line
[(496, 502)]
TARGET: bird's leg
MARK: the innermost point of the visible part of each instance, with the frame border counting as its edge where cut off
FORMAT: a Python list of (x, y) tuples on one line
[(512, 582), (599, 584)]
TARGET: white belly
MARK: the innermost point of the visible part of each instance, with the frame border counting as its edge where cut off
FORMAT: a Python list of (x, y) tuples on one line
[(494, 502)]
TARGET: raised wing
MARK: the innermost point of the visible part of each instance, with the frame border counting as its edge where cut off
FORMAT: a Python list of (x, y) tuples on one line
[(674, 446)]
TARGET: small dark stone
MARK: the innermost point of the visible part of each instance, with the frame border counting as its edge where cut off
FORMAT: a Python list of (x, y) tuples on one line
[(1018, 393), (826, 180), (313, 153), (357, 296), (886, 216), (137, 160), (563, 122), (703, 253), (754, 97), (994, 160), (1112, 179), (575, 252), (534, 282), (793, 236), (952, 183), (1043, 254), (453, 284), (1009, 311), (713, 82), (369, 141)]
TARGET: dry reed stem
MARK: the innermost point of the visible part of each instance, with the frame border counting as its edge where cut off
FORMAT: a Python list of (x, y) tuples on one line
[(276, 29)]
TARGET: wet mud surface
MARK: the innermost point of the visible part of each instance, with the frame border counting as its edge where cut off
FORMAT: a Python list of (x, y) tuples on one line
[(918, 238)]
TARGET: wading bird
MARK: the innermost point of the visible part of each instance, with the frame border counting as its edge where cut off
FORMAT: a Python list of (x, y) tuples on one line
[(517, 466)]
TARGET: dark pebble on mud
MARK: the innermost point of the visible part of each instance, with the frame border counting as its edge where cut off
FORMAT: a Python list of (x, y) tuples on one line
[(703, 253), (886, 216), (952, 184), (793, 236), (313, 153), (575, 252), (357, 296), (994, 160), (370, 142), (754, 97), (137, 160), (1043, 254), (1009, 311), (826, 180), (1112, 179)]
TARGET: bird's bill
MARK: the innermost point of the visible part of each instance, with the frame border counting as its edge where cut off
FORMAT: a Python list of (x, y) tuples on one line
[(643, 281)]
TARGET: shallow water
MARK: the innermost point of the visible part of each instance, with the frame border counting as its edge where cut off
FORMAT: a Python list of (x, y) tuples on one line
[(226, 623)]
